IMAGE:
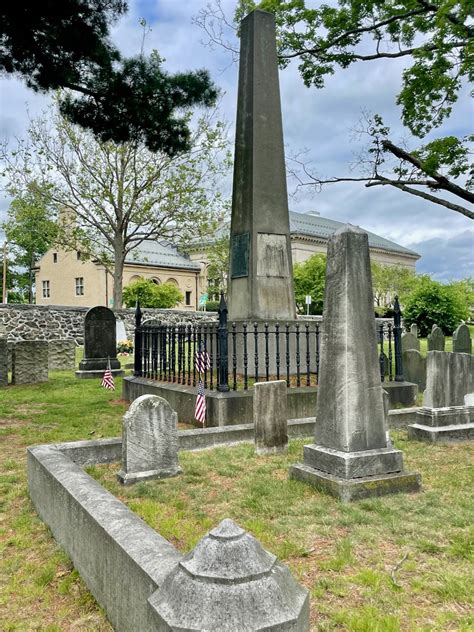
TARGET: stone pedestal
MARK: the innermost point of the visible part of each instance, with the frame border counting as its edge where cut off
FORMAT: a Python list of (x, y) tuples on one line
[(149, 441), (352, 456), (270, 417), (450, 424)]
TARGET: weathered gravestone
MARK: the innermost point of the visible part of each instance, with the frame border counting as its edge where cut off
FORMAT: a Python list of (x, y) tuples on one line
[(414, 368), (414, 329), (3, 362), (120, 331), (61, 355), (30, 362), (436, 339), (230, 583), (99, 344), (409, 341), (462, 342), (149, 441), (270, 417), (352, 456), (445, 416)]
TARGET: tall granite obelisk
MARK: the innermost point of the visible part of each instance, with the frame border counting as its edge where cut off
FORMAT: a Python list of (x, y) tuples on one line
[(260, 279), (352, 456)]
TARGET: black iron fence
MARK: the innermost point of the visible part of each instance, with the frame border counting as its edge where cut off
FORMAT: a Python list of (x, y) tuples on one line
[(229, 356)]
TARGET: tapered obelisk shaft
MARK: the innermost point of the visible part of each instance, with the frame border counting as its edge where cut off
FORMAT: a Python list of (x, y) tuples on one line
[(260, 280)]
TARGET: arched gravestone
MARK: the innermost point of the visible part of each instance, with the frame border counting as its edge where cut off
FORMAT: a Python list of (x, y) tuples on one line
[(436, 339), (99, 343), (462, 340)]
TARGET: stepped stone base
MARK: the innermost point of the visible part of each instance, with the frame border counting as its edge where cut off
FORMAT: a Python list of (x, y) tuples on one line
[(128, 478), (448, 424), (349, 465), (357, 488), (442, 434), (98, 374)]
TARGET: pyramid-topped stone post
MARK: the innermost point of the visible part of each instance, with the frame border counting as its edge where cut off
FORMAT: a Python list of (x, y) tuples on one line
[(261, 279), (352, 456)]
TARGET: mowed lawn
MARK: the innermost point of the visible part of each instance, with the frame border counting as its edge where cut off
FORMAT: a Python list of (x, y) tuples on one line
[(398, 563)]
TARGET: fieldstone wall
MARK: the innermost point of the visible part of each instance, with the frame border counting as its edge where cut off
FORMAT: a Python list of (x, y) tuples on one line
[(53, 322)]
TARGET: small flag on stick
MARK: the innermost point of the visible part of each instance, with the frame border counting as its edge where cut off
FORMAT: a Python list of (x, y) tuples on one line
[(203, 360), (108, 379), (200, 409)]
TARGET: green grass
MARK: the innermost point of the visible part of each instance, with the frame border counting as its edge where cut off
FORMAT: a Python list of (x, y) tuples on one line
[(396, 563), (448, 342)]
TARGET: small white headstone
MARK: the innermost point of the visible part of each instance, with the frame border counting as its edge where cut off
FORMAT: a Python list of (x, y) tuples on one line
[(121, 333)]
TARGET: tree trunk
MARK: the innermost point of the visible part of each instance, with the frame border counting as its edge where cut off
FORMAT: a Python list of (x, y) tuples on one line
[(118, 272)]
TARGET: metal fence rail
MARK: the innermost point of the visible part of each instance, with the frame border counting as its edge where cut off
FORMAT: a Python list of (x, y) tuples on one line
[(232, 357)]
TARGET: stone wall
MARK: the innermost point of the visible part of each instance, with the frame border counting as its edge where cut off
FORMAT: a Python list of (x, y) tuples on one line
[(52, 322)]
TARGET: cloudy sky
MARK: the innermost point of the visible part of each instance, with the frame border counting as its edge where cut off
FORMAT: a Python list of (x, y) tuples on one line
[(318, 122)]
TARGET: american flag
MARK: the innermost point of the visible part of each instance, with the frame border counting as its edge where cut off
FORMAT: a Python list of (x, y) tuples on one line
[(108, 379), (203, 361), (200, 409)]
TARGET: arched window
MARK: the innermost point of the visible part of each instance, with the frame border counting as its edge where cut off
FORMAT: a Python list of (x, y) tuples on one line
[(156, 281), (173, 282)]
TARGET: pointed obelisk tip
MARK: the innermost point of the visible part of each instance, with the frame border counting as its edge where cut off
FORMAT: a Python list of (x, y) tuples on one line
[(350, 228)]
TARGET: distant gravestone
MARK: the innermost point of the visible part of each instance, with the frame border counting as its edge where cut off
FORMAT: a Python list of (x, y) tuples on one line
[(436, 339), (120, 331), (414, 368), (410, 341), (462, 342), (414, 329), (449, 377), (30, 362), (3, 362), (99, 344), (149, 441), (270, 417)]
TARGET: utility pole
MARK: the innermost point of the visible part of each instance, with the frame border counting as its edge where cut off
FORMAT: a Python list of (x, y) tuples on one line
[(4, 288)]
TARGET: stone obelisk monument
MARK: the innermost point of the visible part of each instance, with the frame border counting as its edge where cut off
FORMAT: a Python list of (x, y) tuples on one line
[(352, 456), (260, 279)]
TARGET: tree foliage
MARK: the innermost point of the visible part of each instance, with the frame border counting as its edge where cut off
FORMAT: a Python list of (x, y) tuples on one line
[(151, 295), (436, 40), (30, 230), (218, 268), (115, 196), (52, 45), (310, 278), (433, 303), (390, 281)]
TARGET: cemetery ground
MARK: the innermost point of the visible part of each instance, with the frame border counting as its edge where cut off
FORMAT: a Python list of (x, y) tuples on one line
[(396, 563)]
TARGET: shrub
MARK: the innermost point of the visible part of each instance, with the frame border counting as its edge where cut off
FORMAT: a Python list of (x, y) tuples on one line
[(212, 306), (151, 295), (433, 303), (310, 279), (124, 346)]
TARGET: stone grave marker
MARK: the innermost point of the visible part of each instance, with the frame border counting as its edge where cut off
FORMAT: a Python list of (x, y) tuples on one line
[(61, 355), (120, 331), (30, 362), (270, 417), (414, 329), (149, 441), (446, 416), (436, 339), (462, 342), (99, 344), (3, 362), (414, 368), (229, 582), (410, 341), (352, 456)]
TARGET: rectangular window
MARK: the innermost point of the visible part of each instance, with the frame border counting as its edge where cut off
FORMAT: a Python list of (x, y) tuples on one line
[(46, 291), (79, 286), (55, 257), (188, 298)]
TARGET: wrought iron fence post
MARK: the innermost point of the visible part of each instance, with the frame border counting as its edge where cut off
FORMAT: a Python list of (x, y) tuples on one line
[(137, 343), (223, 377), (397, 339)]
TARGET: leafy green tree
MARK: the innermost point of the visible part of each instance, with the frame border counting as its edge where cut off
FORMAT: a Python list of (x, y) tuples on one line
[(118, 195), (218, 268), (151, 295), (310, 278), (53, 45), (435, 39), (390, 281), (433, 303), (16, 290), (30, 230)]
